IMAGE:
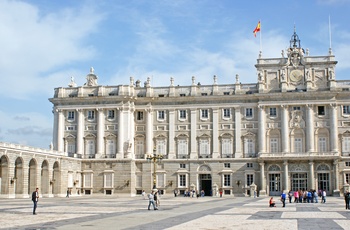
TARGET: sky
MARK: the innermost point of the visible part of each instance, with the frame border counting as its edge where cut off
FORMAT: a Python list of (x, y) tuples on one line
[(44, 43)]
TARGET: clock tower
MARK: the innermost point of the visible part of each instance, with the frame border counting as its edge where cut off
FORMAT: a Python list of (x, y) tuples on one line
[(296, 70)]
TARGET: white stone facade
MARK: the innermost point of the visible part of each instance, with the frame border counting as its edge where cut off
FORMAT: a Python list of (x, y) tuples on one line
[(288, 131)]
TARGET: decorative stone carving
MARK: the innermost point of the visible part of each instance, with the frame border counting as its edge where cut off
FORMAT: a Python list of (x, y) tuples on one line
[(91, 78), (298, 168), (72, 82), (297, 120)]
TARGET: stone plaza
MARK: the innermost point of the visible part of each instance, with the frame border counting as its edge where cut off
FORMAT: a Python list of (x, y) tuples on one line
[(122, 212)]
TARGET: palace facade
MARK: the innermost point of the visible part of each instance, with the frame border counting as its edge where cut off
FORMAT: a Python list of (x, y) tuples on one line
[(288, 131)]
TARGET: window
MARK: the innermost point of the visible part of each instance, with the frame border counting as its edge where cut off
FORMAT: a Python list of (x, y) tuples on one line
[(249, 165), (249, 112), (296, 107), (298, 145), (139, 115), (182, 166), (226, 93), (249, 147), (161, 147), (182, 147), (204, 94), (70, 128), (182, 180), (204, 147), (204, 113), (70, 115), (227, 165), (322, 144), (139, 147), (346, 109), (227, 180), (347, 177), (227, 113), (346, 144), (347, 163), (321, 110), (110, 114), (250, 179), (108, 180), (91, 114), (110, 148), (226, 146), (182, 95), (182, 114), (71, 147), (273, 112), (90, 147), (161, 115), (273, 145)]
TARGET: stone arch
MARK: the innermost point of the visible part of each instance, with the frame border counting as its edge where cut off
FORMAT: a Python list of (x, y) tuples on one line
[(55, 181), (323, 167), (45, 178), (274, 168), (32, 175), (4, 175), (204, 168), (19, 176)]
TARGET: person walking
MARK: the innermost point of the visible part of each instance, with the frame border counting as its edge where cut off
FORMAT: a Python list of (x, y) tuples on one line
[(323, 196), (35, 199), (151, 201), (67, 193), (283, 199), (290, 195), (156, 199), (347, 199)]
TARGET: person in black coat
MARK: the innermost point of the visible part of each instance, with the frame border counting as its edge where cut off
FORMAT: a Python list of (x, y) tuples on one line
[(35, 199)]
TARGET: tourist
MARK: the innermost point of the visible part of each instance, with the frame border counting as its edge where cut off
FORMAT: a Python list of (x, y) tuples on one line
[(324, 196), (35, 199), (156, 199), (315, 196), (272, 202), (67, 193), (296, 197), (151, 201), (143, 194), (290, 194), (347, 199), (283, 199)]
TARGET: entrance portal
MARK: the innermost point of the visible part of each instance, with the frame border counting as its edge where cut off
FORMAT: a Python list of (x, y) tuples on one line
[(299, 181), (205, 184), (275, 184)]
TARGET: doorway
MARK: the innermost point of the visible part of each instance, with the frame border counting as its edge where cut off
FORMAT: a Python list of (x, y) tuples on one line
[(205, 184), (275, 184), (299, 181)]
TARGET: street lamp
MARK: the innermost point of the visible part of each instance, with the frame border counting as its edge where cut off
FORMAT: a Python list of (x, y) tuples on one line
[(155, 159)]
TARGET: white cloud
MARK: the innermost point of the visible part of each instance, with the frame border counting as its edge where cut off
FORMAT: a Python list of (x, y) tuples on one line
[(33, 44)]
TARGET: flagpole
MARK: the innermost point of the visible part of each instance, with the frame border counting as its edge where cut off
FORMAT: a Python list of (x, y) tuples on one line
[(330, 32), (260, 38)]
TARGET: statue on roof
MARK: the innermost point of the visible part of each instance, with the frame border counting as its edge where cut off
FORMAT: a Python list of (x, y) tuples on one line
[(91, 78), (72, 82)]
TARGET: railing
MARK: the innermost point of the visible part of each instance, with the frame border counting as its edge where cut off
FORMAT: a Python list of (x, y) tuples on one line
[(299, 154), (31, 149)]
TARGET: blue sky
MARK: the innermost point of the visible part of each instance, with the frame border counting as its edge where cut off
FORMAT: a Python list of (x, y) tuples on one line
[(43, 43)]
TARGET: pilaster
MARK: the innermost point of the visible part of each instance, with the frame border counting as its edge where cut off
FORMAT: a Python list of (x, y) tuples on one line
[(80, 132), (334, 128), (262, 191), (149, 131), (311, 184), (172, 134), (310, 139), (120, 149), (100, 132), (193, 140), (285, 129), (215, 133), (262, 129), (285, 176), (238, 132)]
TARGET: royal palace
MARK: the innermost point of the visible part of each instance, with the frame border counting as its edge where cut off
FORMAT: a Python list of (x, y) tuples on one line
[(288, 131)]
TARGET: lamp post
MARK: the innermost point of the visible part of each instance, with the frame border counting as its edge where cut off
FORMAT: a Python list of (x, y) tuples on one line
[(155, 159)]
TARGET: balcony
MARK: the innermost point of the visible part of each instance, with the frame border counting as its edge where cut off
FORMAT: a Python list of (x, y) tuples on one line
[(299, 155)]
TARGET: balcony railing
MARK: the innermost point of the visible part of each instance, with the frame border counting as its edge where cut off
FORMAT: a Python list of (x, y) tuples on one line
[(299, 154)]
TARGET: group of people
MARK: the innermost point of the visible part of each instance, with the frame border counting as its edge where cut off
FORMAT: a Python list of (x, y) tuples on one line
[(153, 199), (303, 196), (190, 193)]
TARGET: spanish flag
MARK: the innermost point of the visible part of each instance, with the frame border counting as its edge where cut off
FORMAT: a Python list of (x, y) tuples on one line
[(257, 29)]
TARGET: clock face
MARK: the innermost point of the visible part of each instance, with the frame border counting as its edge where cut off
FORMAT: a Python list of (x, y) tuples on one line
[(296, 75)]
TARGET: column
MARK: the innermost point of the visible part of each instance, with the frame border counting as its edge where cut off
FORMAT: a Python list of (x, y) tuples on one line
[(25, 181), (238, 134), (120, 148), (285, 129), (310, 139), (336, 191), (262, 129), (215, 139), (100, 132), (11, 187), (285, 176), (80, 132), (171, 140), (262, 191), (60, 131), (193, 134), (55, 128), (311, 179), (149, 131), (334, 128)]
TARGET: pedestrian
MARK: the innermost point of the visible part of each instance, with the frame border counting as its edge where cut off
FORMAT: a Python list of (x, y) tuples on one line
[(347, 199), (290, 194), (67, 193), (143, 194), (296, 197), (283, 199), (324, 196), (151, 201), (220, 193), (175, 193), (156, 199), (316, 196), (35, 199)]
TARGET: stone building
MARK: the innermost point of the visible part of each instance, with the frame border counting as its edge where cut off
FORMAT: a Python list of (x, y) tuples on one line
[(288, 131)]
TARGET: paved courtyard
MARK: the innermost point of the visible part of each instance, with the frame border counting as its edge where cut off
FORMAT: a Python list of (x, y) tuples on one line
[(100, 212)]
